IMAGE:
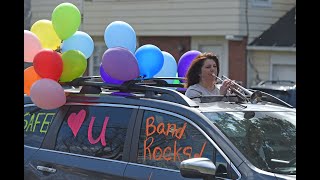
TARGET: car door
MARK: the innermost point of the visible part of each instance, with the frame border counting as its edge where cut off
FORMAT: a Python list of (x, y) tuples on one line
[(36, 124), (163, 139), (87, 142)]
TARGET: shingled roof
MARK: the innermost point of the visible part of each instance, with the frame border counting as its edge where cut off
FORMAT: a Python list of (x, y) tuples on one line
[(280, 34)]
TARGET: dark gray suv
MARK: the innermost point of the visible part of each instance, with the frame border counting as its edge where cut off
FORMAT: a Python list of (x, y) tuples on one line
[(282, 89), (139, 130)]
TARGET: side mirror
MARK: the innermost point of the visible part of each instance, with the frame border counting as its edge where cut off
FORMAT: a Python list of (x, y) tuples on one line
[(198, 168)]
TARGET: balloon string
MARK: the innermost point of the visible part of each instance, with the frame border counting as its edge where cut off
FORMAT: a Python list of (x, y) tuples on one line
[(58, 49), (141, 77)]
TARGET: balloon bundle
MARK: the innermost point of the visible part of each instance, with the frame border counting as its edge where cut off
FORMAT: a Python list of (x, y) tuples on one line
[(59, 53), (122, 61)]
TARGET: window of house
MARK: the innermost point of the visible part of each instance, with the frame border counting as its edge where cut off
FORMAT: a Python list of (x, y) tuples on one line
[(94, 131), (96, 58), (36, 124), (167, 140), (261, 3)]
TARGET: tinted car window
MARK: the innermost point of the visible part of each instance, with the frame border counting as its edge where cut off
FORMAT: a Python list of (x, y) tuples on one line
[(267, 139), (36, 124), (94, 131), (166, 140)]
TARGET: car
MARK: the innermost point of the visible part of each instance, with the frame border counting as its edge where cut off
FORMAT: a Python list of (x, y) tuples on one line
[(282, 89), (148, 129)]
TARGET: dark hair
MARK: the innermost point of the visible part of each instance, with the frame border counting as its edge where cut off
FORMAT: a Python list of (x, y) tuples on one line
[(195, 68)]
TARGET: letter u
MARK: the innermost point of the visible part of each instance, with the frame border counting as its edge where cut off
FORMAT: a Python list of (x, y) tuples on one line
[(102, 136)]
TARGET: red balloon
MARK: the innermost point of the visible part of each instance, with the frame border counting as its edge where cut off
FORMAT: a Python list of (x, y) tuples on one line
[(48, 64)]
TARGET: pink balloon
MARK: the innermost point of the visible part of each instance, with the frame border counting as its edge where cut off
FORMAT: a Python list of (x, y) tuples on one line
[(47, 94), (32, 45)]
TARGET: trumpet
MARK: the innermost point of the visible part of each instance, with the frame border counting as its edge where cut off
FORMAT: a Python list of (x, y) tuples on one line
[(255, 97)]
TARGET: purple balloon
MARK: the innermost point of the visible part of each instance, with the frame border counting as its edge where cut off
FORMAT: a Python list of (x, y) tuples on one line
[(120, 64), (106, 78), (185, 62)]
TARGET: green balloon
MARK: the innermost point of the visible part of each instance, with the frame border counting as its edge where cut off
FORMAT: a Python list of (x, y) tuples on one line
[(66, 19), (176, 81), (74, 65)]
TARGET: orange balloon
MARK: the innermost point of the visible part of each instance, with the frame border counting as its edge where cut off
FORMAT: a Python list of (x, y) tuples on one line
[(30, 76)]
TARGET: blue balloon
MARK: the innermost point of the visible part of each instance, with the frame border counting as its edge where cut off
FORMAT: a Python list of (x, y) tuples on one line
[(169, 68), (120, 34), (80, 41), (150, 60)]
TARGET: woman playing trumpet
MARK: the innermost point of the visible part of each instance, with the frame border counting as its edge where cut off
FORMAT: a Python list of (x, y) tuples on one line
[(202, 77)]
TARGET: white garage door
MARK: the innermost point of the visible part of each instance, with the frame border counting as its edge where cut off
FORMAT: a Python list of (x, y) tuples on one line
[(283, 67), (284, 72)]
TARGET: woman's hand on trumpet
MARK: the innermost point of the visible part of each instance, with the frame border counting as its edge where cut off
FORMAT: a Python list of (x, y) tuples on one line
[(226, 84)]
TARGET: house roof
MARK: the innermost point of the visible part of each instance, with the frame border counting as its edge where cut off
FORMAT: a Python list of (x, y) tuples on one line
[(280, 34)]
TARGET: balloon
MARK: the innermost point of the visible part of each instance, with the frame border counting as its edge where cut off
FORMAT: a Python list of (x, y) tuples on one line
[(66, 19), (176, 81), (30, 76), (150, 60), (48, 64), (47, 94), (46, 34), (74, 65), (185, 62), (32, 45), (169, 68), (79, 41), (120, 34), (106, 78), (120, 64)]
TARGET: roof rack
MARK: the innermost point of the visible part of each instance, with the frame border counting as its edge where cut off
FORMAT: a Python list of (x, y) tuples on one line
[(154, 88)]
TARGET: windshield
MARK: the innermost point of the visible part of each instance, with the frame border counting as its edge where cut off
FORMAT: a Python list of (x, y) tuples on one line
[(266, 139)]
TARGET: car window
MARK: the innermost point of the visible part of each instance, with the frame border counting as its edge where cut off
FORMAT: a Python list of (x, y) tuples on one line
[(94, 131), (167, 140), (266, 139), (36, 124)]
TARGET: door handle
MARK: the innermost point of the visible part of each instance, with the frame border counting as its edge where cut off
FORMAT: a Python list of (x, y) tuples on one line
[(46, 169)]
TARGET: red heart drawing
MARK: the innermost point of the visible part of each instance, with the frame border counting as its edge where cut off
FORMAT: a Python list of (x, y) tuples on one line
[(75, 121)]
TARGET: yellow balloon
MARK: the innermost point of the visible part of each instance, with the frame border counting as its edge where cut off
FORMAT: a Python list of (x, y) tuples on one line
[(46, 34)]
